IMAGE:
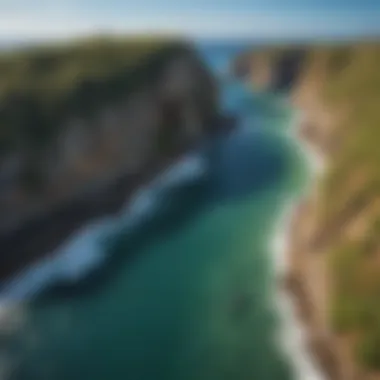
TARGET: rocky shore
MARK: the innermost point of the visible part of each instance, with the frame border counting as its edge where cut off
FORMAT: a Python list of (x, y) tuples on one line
[(43, 234), (307, 279), (95, 165)]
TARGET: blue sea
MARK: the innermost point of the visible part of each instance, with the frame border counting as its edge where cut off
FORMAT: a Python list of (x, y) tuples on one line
[(197, 299)]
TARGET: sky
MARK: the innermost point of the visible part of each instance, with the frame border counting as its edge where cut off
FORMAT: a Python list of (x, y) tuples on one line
[(36, 19)]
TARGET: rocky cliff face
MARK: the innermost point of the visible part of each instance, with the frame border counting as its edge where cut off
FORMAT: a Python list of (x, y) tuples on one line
[(94, 163), (308, 277), (271, 68), (334, 89)]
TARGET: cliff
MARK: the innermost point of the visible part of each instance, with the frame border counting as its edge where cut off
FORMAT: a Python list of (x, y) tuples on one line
[(334, 253), (82, 125)]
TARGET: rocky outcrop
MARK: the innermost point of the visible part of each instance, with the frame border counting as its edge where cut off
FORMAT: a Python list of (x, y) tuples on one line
[(95, 163), (271, 68)]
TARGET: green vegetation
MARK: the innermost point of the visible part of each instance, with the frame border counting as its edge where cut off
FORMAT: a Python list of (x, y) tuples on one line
[(345, 79), (350, 79), (42, 86), (351, 82), (355, 307)]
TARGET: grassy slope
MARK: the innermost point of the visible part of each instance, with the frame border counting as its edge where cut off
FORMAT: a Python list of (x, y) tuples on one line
[(352, 81), (347, 77)]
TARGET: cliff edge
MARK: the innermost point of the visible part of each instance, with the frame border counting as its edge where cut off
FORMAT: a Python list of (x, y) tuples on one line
[(335, 235), (83, 124)]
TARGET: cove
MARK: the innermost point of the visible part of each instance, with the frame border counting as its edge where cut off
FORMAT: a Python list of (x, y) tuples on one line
[(196, 301)]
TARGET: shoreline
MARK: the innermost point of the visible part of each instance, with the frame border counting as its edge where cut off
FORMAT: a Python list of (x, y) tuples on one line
[(63, 267), (292, 332), (83, 253), (39, 238), (302, 342), (27, 245)]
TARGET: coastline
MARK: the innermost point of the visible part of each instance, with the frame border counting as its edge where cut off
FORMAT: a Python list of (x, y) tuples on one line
[(40, 237), (292, 331), (302, 338), (84, 252)]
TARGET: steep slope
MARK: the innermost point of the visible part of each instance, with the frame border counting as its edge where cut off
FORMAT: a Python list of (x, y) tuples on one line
[(82, 124), (335, 252)]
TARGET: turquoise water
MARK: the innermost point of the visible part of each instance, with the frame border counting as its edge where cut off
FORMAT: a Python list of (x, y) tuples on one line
[(196, 300)]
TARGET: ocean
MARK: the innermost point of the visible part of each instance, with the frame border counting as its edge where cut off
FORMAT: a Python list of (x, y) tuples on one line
[(197, 301)]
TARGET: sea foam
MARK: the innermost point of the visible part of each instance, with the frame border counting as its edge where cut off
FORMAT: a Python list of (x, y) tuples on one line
[(292, 335), (84, 251)]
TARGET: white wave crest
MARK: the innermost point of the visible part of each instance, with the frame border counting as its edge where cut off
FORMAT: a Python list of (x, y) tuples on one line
[(84, 251)]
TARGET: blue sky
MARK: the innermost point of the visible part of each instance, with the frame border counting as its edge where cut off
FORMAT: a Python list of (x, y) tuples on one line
[(196, 18)]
